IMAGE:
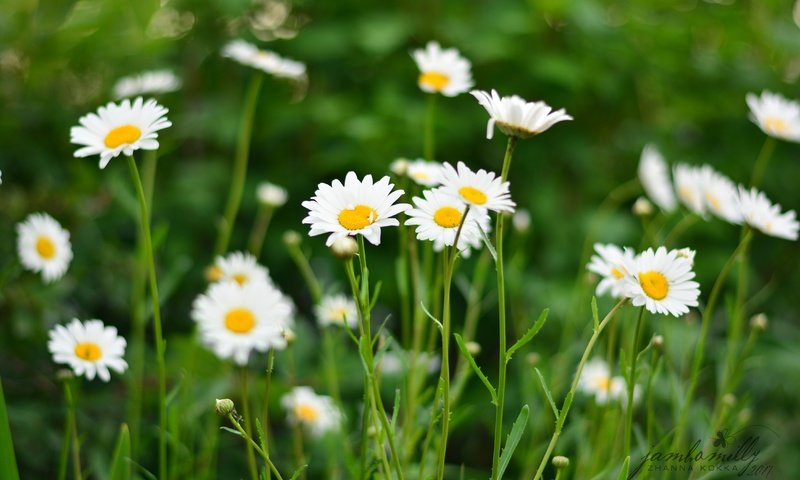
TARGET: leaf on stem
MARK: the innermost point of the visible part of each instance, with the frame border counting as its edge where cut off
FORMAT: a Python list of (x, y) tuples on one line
[(375, 295), (438, 323), (235, 432), (475, 367), (513, 440), (299, 471), (623, 473), (528, 335), (488, 243), (547, 392), (120, 468)]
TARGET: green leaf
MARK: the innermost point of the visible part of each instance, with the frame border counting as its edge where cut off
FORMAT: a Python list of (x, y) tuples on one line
[(595, 316), (235, 432), (623, 473), (375, 295), (8, 462), (120, 466), (547, 392), (297, 472), (528, 335), (488, 243), (475, 367), (513, 440), (438, 323)]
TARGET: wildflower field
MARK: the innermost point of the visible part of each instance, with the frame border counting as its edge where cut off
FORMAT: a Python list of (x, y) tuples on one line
[(264, 239)]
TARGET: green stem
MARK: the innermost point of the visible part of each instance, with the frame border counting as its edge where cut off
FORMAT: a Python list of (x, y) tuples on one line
[(254, 445), (265, 414), (239, 164), (701, 342), (331, 374), (260, 226), (72, 427), (305, 270), (160, 347), (251, 457), (763, 159), (632, 382), (501, 306), (562, 416), (430, 118), (679, 228)]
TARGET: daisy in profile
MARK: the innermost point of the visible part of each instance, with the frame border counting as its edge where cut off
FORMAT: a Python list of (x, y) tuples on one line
[(596, 380), (147, 83), (271, 195), (609, 263), (654, 175), (438, 216), (761, 214), (234, 320), (43, 246), (481, 189), (120, 128), (442, 71), (239, 267), (316, 413), (775, 115), (720, 195), (89, 348), (424, 173), (357, 207), (336, 310), (661, 281), (270, 62), (517, 117), (689, 185)]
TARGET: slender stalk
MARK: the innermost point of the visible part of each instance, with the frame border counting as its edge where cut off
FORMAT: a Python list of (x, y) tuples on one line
[(632, 382), (331, 375), (63, 459), (501, 306), (265, 413), (763, 159), (679, 228), (239, 164), (562, 416), (259, 231), (305, 270), (430, 118), (160, 347), (254, 445), (251, 457), (701, 342), (72, 427)]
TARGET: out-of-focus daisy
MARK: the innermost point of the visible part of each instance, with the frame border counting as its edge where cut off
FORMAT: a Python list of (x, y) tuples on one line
[(317, 413), (239, 267), (335, 310), (235, 320), (147, 83), (271, 195), (689, 185), (396, 361), (43, 246), (399, 166), (596, 380), (661, 281), (481, 189), (720, 195), (517, 117), (89, 348), (761, 214), (270, 62), (438, 216), (521, 220), (609, 263), (442, 71), (120, 128), (425, 173), (654, 175), (642, 207), (775, 115), (355, 207)]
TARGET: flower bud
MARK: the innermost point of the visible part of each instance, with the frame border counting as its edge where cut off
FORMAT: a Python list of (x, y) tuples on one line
[(560, 462), (688, 254), (224, 407), (474, 348), (658, 342), (642, 207), (271, 195), (399, 166), (289, 335), (291, 238), (758, 322), (344, 248), (64, 374), (521, 220), (533, 359), (729, 400)]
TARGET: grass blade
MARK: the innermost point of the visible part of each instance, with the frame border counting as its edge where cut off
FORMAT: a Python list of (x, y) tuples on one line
[(8, 462), (547, 392), (120, 468), (513, 440)]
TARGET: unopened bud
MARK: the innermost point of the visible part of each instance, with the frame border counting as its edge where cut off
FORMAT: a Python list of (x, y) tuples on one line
[(521, 220), (344, 248), (533, 359), (759, 322), (729, 400), (744, 416), (372, 431), (474, 348), (271, 195), (291, 238), (560, 462), (688, 254), (224, 407), (64, 374), (399, 166), (658, 342), (642, 207), (289, 335)]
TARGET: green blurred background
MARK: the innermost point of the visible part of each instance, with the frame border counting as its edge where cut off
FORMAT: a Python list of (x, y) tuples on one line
[(674, 73)]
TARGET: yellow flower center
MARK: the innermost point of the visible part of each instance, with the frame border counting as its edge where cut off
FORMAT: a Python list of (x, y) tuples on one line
[(240, 320), (603, 383), (472, 195), (88, 351), (686, 194), (357, 218), (306, 413), (420, 176), (239, 278), (122, 135), (338, 315), (776, 125), (45, 247), (434, 80), (713, 200), (447, 217), (213, 273), (654, 284), (616, 273)]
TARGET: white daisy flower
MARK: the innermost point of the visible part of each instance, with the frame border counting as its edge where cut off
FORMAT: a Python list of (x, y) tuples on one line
[(760, 213), (147, 83), (399, 166), (335, 310), (596, 380), (235, 320), (264, 60), (424, 172), (609, 263), (89, 348), (438, 216), (317, 413), (239, 267), (120, 128), (442, 71), (720, 195), (775, 115), (517, 117), (689, 185), (481, 189), (43, 246), (271, 195), (353, 208), (661, 281), (654, 175)]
